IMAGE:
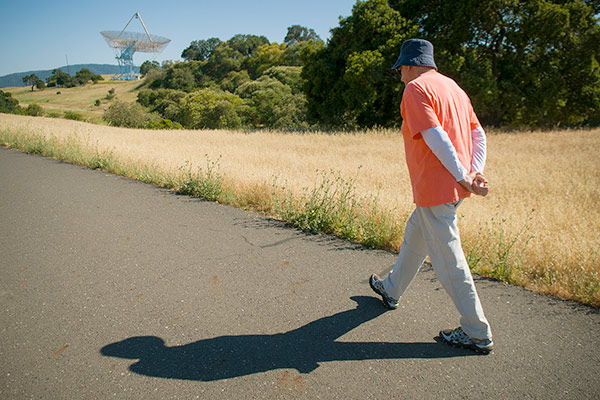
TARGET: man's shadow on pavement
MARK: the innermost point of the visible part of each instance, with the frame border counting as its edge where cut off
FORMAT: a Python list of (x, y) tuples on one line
[(303, 348)]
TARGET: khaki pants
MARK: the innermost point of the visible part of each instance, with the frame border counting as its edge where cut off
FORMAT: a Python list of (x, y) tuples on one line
[(433, 231)]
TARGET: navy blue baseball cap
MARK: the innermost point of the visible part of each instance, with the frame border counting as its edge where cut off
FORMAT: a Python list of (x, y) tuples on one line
[(416, 52)]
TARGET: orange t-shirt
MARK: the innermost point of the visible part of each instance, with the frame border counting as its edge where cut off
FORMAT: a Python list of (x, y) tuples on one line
[(431, 100)]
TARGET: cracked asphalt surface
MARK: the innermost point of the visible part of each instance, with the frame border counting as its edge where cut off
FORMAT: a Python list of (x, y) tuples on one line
[(112, 288)]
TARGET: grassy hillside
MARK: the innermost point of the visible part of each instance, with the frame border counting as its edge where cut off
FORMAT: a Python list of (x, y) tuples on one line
[(80, 99)]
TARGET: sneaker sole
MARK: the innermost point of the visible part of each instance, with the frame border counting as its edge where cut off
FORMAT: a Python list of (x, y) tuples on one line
[(466, 346), (385, 303)]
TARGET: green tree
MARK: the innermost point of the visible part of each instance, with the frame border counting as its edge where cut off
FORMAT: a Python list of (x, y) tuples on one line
[(84, 75), (296, 54), (246, 45), (300, 40), (59, 78), (233, 80), (288, 75), (8, 104), (147, 66), (180, 76), (155, 77), (34, 110), (223, 61), (200, 50), (297, 34), (524, 63), (265, 57), (272, 104), (233, 55), (346, 81), (211, 109), (185, 76), (31, 79), (166, 102), (166, 64)]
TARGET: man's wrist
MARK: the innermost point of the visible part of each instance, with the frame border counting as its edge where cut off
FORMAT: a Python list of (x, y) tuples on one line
[(462, 175)]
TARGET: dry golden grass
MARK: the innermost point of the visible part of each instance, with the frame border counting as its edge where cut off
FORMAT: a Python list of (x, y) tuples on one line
[(543, 184), (557, 175), (80, 99)]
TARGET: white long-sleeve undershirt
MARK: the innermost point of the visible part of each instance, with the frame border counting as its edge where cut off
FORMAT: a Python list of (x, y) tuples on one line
[(479, 149), (438, 141)]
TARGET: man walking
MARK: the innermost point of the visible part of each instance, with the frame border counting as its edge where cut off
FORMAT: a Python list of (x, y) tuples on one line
[(445, 153)]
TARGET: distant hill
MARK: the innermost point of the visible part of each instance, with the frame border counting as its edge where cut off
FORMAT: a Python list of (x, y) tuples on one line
[(16, 79)]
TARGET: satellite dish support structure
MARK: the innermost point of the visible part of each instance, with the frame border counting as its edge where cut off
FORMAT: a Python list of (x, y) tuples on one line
[(127, 43)]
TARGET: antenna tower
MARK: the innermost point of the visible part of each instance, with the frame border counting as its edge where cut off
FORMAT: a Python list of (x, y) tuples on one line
[(128, 43)]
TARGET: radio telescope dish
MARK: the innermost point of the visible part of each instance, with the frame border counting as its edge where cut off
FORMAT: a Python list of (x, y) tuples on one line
[(128, 43)]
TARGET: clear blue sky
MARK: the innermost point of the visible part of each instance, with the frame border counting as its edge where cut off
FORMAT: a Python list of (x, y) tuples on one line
[(42, 34)]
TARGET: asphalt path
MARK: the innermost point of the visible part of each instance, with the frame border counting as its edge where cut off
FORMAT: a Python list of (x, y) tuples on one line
[(111, 288)]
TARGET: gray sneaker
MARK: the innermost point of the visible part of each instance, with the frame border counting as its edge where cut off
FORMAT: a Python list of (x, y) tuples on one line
[(458, 338), (377, 286)]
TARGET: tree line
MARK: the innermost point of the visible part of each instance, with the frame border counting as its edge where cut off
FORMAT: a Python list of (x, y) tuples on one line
[(532, 63), (243, 82), (529, 63), (62, 79)]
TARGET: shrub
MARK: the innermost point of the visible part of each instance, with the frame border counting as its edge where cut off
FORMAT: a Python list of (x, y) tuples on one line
[(164, 124), (211, 109), (165, 102), (154, 77), (34, 109), (130, 115), (8, 104), (73, 116), (97, 102), (272, 104), (111, 94)]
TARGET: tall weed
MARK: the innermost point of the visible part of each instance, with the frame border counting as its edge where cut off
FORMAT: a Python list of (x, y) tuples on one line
[(498, 250), (103, 161), (332, 206), (206, 183)]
